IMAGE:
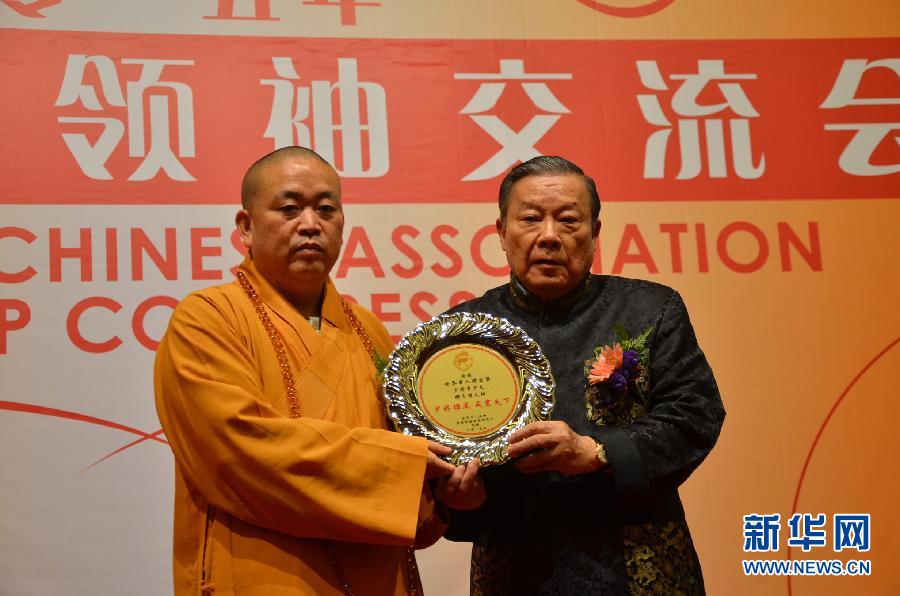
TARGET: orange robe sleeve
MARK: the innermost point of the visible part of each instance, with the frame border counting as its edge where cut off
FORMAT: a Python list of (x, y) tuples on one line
[(433, 519), (304, 477)]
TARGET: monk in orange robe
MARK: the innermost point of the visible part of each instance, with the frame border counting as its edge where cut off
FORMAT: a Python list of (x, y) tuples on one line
[(286, 479)]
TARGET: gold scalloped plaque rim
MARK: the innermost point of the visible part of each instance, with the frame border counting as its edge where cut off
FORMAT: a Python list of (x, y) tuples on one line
[(537, 386)]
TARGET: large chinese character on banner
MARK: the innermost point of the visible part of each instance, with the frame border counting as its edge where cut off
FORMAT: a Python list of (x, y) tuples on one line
[(691, 114), (157, 151), (304, 115), (857, 157), (515, 146)]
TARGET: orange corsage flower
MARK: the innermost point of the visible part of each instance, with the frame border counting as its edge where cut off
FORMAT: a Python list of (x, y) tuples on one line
[(609, 360)]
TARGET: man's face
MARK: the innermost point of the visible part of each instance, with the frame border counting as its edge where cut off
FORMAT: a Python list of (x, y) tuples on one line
[(547, 235), (294, 224)]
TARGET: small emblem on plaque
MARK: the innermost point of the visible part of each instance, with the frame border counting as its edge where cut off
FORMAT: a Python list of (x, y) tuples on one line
[(462, 361)]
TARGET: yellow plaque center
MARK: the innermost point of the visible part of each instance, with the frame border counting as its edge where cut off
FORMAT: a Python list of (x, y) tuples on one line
[(468, 390)]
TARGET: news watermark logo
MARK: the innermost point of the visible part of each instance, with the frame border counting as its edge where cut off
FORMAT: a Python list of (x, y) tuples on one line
[(808, 532)]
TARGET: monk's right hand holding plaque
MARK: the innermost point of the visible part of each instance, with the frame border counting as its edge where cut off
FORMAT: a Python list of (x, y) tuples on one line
[(468, 380)]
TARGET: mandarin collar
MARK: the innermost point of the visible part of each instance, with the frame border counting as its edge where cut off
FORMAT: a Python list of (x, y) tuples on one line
[(527, 301)]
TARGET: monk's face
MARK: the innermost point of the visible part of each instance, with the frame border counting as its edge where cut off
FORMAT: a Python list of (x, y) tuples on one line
[(294, 224), (548, 235)]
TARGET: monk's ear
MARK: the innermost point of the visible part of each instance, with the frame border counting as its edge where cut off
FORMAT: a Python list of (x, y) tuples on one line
[(242, 221)]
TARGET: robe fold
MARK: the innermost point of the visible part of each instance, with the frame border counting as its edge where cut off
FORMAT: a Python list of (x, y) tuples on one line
[(256, 491)]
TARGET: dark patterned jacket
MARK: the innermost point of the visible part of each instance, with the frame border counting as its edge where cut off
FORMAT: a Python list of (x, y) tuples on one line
[(610, 533)]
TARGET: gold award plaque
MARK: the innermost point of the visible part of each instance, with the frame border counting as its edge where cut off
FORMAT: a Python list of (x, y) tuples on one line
[(468, 380), (468, 390)]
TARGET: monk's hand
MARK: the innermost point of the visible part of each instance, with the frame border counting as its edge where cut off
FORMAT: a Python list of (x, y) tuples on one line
[(435, 467), (553, 446), (463, 489)]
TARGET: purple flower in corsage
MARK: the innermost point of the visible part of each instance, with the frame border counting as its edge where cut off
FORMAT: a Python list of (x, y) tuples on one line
[(618, 380)]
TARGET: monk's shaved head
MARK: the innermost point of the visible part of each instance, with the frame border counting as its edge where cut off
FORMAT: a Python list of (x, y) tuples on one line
[(250, 184)]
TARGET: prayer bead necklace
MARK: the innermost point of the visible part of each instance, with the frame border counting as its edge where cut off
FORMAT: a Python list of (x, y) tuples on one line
[(287, 377)]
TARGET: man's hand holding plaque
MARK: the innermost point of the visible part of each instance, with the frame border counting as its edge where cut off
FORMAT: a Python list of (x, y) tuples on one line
[(463, 489), (468, 381)]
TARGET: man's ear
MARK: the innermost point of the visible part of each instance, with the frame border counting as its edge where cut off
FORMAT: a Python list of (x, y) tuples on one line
[(596, 231), (501, 231), (242, 221)]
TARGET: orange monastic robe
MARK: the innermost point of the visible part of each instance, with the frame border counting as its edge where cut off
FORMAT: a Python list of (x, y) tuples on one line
[(256, 490)]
